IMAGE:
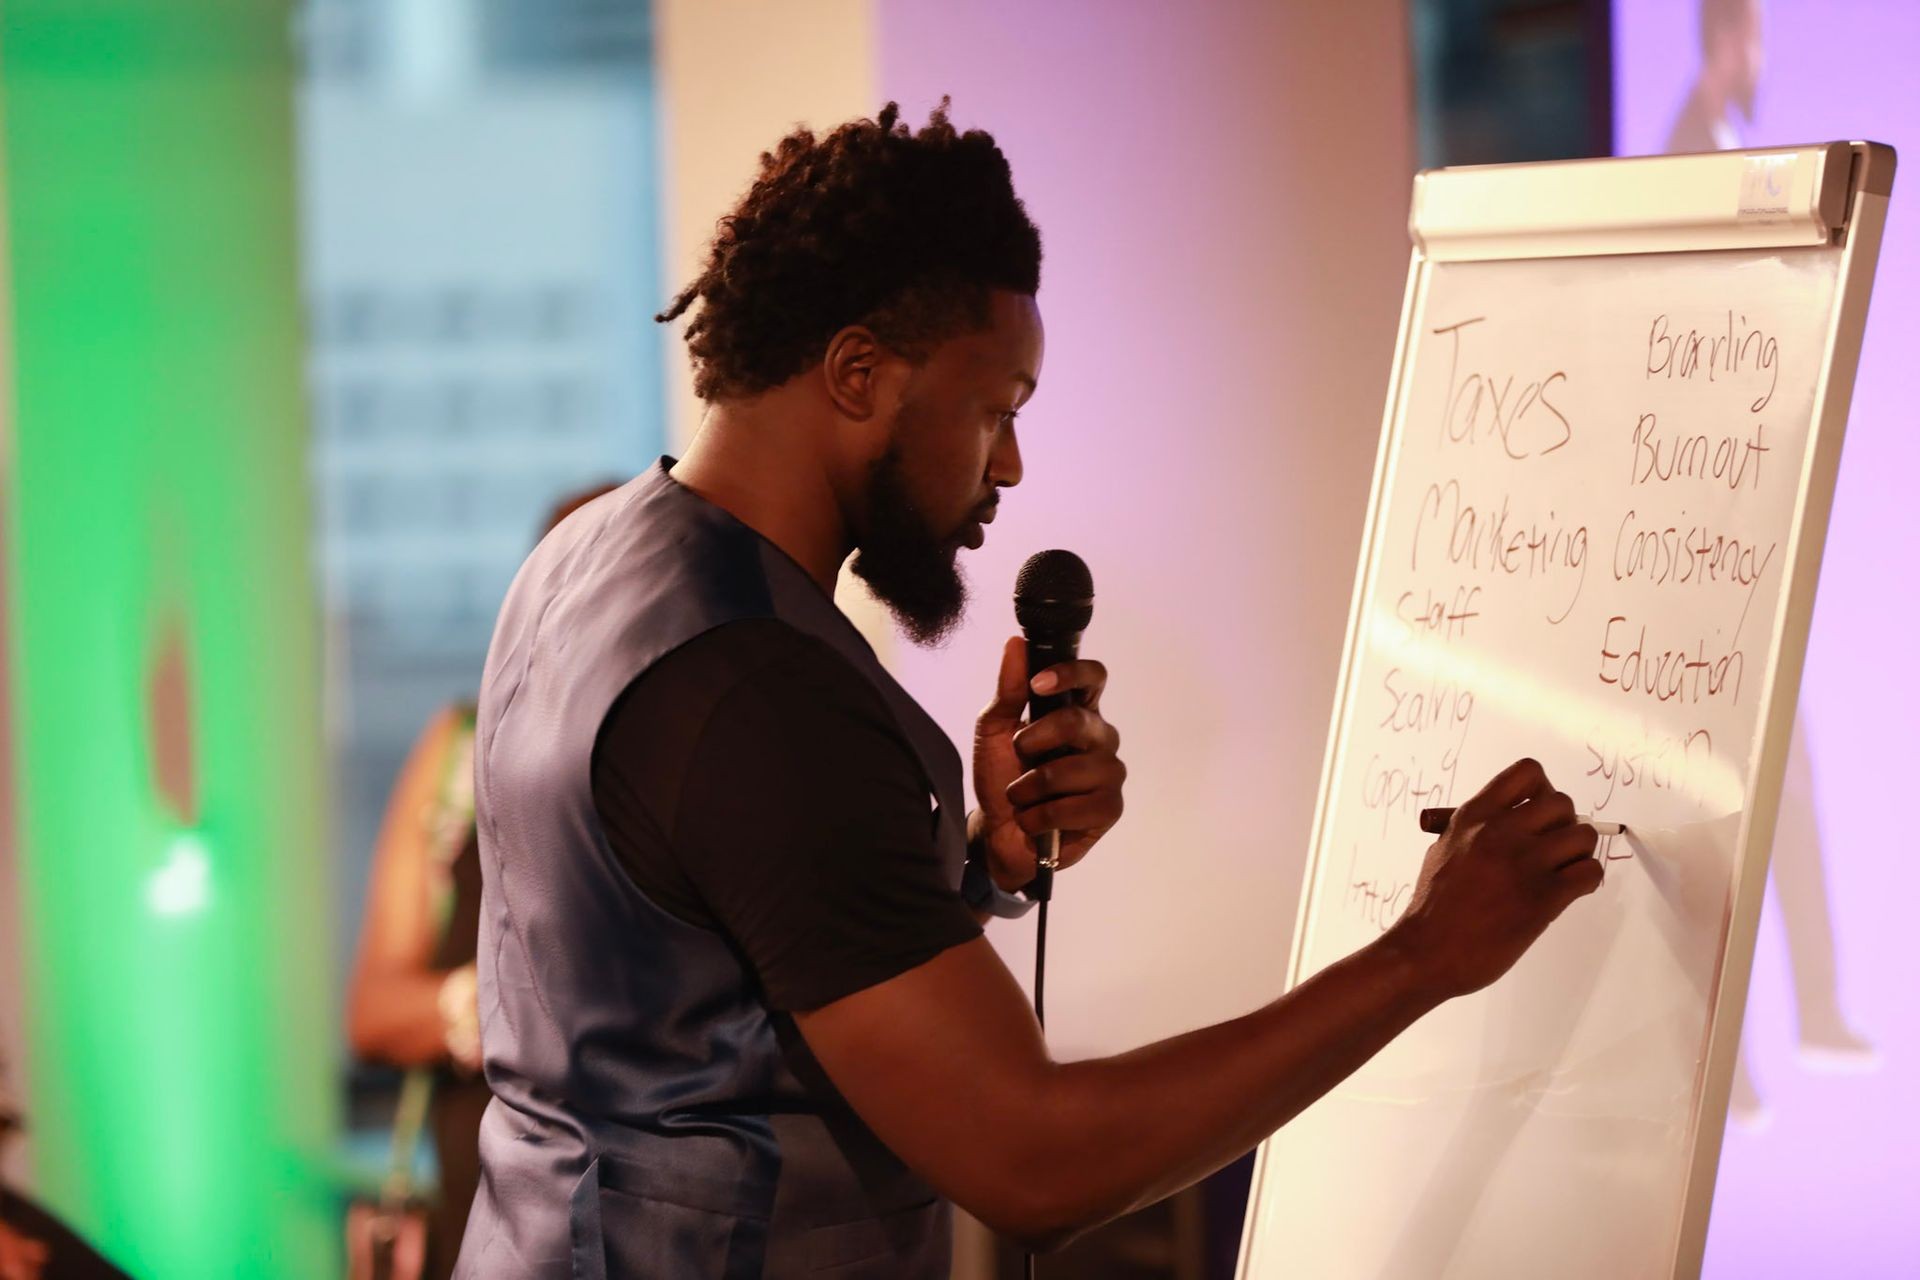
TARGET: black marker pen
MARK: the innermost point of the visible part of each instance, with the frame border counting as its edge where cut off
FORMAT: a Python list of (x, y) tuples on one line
[(1434, 822)]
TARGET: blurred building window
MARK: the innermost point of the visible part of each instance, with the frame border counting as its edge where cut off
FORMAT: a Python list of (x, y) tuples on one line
[(534, 35), (1497, 81), (481, 262)]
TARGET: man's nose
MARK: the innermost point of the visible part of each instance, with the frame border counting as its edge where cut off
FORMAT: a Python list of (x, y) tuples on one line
[(1003, 465)]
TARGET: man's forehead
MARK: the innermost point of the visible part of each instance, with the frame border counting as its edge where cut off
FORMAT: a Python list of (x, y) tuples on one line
[(1009, 347)]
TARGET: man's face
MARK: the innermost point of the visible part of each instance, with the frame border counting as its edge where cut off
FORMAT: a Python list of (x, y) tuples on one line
[(950, 452)]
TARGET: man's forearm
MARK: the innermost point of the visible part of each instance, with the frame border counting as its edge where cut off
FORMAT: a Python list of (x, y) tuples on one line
[(1042, 1151), (1107, 1136), (946, 1063)]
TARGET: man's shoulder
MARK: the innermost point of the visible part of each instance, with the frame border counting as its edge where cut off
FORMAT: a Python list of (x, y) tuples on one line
[(754, 706), (758, 661)]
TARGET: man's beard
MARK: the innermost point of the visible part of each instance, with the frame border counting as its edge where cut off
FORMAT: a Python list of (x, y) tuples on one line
[(909, 568)]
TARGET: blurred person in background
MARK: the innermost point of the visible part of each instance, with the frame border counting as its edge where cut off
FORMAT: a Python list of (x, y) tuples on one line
[(1732, 56), (1732, 62), (412, 1000)]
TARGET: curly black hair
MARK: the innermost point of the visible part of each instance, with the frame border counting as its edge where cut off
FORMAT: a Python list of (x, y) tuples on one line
[(875, 224)]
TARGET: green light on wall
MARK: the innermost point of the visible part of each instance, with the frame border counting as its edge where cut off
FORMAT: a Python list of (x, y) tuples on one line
[(165, 658), (182, 885)]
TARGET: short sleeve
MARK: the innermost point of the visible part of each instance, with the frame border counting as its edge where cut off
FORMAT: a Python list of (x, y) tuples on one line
[(792, 816)]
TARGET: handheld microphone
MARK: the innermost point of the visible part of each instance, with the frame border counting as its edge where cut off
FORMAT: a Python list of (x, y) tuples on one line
[(1053, 602)]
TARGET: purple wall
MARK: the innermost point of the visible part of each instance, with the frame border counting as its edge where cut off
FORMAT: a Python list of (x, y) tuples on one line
[(1223, 191), (1828, 1181), (1223, 271)]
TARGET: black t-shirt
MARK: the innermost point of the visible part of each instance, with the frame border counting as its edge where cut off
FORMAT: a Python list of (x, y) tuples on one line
[(753, 781)]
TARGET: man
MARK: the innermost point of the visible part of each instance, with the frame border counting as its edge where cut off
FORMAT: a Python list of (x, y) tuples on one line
[(1732, 56), (736, 1007)]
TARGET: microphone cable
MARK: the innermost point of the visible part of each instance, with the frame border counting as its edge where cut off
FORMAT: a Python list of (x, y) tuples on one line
[(1043, 882), (1040, 995), (1040, 970)]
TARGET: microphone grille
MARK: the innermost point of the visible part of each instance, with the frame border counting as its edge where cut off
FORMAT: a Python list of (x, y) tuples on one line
[(1054, 593)]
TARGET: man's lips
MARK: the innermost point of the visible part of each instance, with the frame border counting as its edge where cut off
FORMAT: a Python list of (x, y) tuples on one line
[(975, 533)]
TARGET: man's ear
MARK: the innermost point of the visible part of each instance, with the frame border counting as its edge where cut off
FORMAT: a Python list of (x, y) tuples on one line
[(854, 373)]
